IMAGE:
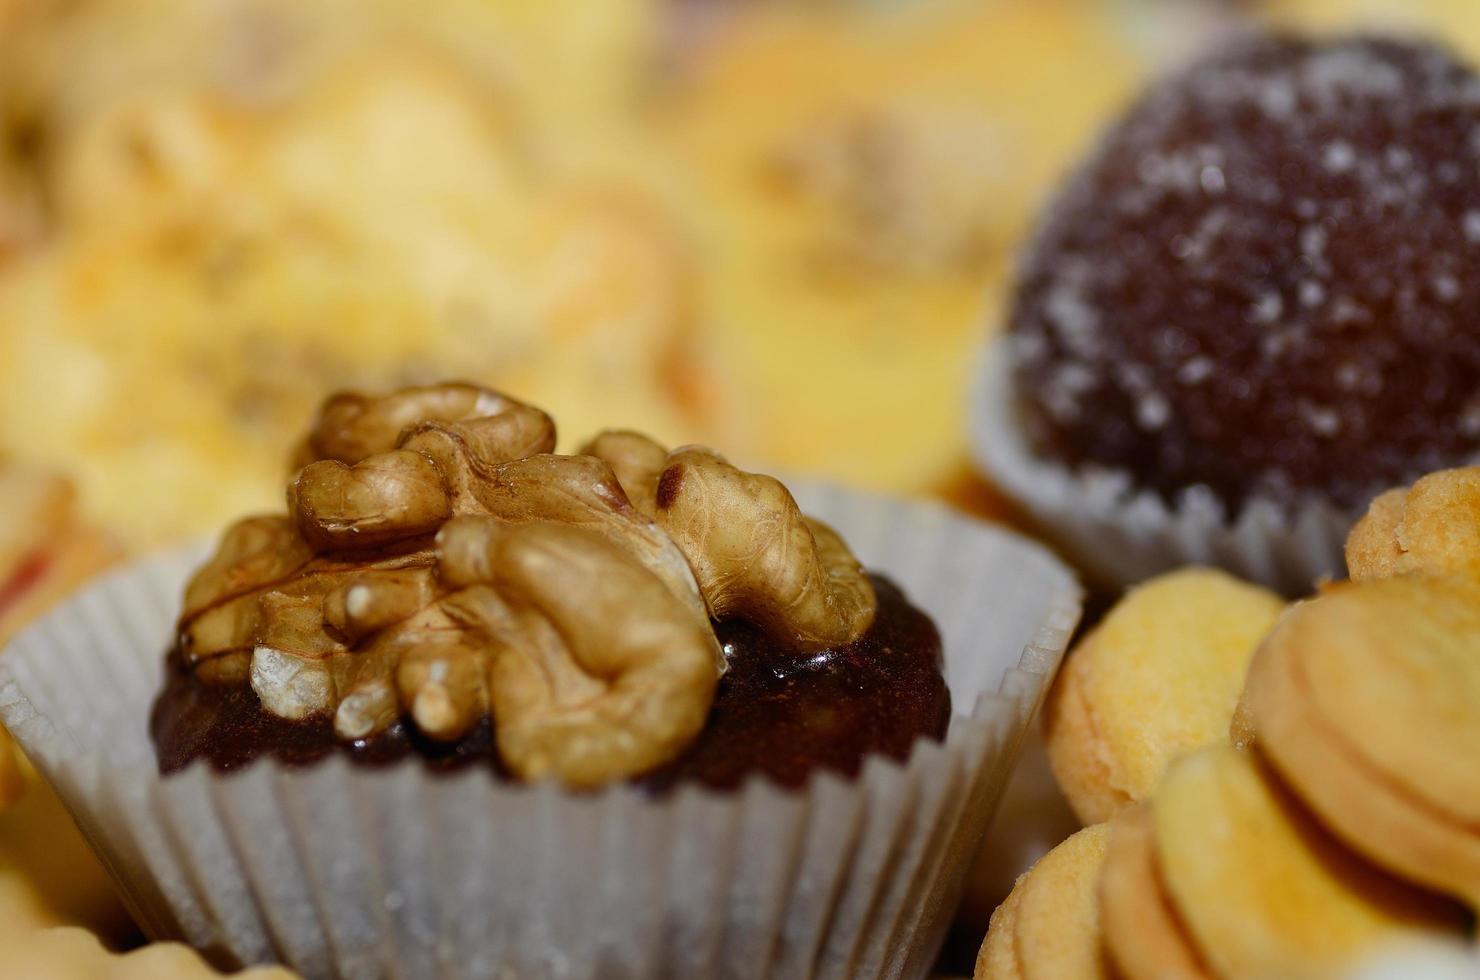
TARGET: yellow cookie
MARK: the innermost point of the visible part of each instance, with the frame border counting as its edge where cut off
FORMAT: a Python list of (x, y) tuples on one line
[(1431, 528), (1143, 933), (1049, 926), (1263, 890), (1368, 702), (1160, 676)]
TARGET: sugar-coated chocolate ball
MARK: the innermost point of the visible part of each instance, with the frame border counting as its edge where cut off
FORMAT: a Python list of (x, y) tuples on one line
[(1266, 278)]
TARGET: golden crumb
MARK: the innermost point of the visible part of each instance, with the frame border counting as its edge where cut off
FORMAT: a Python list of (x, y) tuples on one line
[(1431, 528)]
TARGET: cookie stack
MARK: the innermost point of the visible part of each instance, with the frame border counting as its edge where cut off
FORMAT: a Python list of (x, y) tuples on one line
[(1321, 819)]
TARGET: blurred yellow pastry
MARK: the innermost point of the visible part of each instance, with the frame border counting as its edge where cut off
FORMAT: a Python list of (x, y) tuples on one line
[(1143, 933), (1367, 700), (1159, 676), (1049, 925), (227, 245), (48, 875), (1453, 21), (46, 547), (865, 178), (787, 235), (12, 777), (75, 954), (1430, 528), (1262, 889)]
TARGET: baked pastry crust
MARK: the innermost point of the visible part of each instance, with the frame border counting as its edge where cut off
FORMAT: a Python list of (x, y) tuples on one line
[(1049, 925), (1143, 933), (1159, 676), (1367, 700), (1263, 889)]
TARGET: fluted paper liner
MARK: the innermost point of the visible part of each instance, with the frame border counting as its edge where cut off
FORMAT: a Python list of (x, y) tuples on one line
[(344, 871), (1119, 534)]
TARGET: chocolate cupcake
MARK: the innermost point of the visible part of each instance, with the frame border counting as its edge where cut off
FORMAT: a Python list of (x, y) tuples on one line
[(447, 588), (1246, 313), (472, 708)]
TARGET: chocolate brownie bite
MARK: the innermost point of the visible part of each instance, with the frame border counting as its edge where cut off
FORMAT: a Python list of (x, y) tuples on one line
[(447, 590), (1262, 280)]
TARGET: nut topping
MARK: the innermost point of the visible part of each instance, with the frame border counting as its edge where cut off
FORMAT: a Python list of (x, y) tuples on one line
[(637, 461), (352, 426), (753, 552), (379, 500), (440, 564), (621, 682)]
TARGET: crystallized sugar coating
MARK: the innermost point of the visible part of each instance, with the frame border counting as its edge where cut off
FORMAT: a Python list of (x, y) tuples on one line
[(1266, 279)]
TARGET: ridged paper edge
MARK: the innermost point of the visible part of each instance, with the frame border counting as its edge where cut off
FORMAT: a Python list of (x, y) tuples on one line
[(1121, 535)]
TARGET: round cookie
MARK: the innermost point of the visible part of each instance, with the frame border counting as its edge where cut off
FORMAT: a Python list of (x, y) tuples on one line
[(1260, 282), (1143, 934), (1431, 528), (1049, 925), (1367, 700), (1160, 676), (1263, 890)]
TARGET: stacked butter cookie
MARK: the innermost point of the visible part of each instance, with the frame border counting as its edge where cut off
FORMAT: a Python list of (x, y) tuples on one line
[(1321, 819)]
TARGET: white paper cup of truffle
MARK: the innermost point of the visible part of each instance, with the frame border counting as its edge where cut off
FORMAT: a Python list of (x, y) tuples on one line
[(339, 871), (1119, 534)]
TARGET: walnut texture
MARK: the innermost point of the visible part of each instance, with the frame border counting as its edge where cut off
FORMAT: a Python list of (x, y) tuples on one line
[(439, 563)]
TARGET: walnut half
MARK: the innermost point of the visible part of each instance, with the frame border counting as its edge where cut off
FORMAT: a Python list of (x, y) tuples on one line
[(439, 563), (754, 553)]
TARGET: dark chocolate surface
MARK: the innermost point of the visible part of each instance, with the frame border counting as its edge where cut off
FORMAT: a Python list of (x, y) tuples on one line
[(785, 714), (1264, 278), (776, 712)]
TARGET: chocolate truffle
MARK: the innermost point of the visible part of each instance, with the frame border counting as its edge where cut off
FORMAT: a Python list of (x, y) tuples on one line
[(1264, 278)]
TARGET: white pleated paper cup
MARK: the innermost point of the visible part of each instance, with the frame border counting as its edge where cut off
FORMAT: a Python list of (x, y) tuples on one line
[(1119, 534), (339, 871)]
